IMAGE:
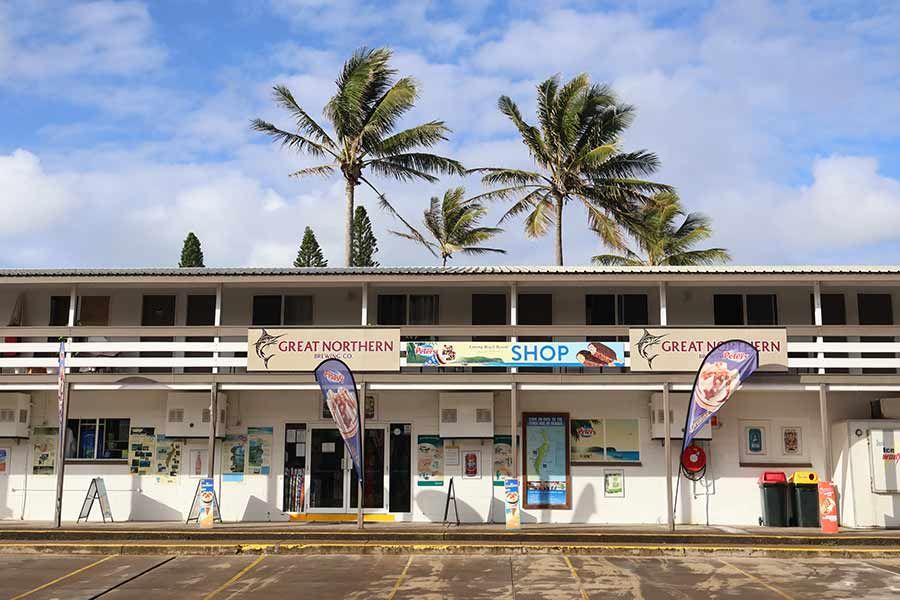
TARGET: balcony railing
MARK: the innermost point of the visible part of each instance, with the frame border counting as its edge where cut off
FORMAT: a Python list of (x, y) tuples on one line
[(120, 349)]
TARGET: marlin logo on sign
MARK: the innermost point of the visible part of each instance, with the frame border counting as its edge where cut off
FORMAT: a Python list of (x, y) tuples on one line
[(646, 345), (265, 341)]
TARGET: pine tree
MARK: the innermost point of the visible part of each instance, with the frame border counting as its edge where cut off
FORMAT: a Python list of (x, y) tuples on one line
[(191, 253), (364, 245), (310, 254)]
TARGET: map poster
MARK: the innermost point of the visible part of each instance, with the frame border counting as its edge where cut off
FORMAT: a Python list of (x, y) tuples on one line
[(44, 441), (168, 459), (430, 461), (546, 458), (503, 460), (141, 450), (259, 450)]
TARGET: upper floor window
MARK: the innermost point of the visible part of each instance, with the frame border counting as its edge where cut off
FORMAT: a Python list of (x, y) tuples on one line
[(762, 309), (93, 311), (59, 311), (488, 309), (201, 310), (875, 309), (616, 309), (412, 309), (282, 310), (157, 311), (535, 309)]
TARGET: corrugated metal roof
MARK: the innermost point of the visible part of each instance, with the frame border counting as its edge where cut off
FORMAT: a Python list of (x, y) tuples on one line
[(465, 270)]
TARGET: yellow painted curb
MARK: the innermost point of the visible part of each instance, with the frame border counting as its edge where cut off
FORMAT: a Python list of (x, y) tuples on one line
[(343, 518)]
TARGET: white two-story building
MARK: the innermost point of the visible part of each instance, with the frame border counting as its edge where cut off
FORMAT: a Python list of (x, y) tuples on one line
[(159, 394)]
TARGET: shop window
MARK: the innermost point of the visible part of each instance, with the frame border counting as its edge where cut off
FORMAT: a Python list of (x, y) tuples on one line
[(535, 309), (612, 309), (298, 310), (423, 309), (488, 309), (728, 309), (59, 311), (391, 309), (266, 311), (762, 309), (97, 439)]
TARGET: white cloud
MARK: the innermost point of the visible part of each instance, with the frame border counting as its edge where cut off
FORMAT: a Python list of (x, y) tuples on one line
[(32, 199)]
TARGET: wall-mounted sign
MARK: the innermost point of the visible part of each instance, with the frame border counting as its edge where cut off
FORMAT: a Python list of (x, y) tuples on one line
[(669, 349), (546, 458), (303, 349), (515, 354)]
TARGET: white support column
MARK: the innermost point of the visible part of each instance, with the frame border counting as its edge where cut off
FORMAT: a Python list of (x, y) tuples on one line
[(514, 428), (663, 311), (667, 441), (817, 318), (513, 315), (213, 420), (826, 431), (217, 321), (364, 317), (73, 303)]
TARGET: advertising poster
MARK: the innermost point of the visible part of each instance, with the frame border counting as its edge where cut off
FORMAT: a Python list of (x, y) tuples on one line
[(516, 354), (623, 440), (168, 459), (207, 494), (197, 461), (304, 349), (430, 461), (472, 464), (511, 494), (44, 442), (614, 483), (4, 461), (141, 450), (233, 457), (259, 450), (546, 457), (587, 445), (503, 460), (339, 391), (790, 441)]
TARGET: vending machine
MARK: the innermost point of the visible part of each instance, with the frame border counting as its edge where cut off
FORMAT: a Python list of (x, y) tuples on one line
[(867, 472)]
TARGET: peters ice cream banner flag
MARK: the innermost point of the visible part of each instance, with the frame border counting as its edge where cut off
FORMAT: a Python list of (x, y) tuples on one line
[(515, 354), (721, 374), (339, 389)]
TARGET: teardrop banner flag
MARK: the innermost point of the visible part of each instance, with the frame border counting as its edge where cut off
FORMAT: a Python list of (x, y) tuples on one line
[(721, 374), (338, 387)]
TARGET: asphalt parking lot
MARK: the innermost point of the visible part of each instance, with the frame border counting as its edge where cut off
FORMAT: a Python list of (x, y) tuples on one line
[(442, 576)]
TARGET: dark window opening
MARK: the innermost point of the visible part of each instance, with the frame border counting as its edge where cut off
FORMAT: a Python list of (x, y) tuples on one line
[(535, 309), (633, 309), (391, 309), (400, 497), (298, 310), (762, 309), (600, 309), (97, 439), (266, 311), (728, 309), (488, 309), (424, 309)]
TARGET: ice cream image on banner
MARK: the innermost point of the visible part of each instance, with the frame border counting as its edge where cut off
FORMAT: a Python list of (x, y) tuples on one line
[(339, 389)]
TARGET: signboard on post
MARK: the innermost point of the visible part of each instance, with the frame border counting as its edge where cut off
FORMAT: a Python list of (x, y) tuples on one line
[(303, 349), (669, 349)]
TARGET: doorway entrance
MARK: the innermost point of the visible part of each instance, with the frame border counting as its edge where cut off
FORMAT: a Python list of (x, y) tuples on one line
[(332, 477)]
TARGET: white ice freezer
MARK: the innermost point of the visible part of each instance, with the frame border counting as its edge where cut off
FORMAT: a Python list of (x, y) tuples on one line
[(867, 472)]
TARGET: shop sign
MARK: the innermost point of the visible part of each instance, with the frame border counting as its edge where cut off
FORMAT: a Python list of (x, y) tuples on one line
[(669, 349), (515, 354), (303, 349)]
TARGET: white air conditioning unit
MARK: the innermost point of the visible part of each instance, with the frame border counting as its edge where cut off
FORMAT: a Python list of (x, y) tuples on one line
[(15, 415), (890, 408), (678, 404), (467, 415), (187, 415)]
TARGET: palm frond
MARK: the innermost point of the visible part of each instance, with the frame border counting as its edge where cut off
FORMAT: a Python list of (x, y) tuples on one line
[(415, 165), (710, 256), (385, 112), (528, 201), (321, 171), (481, 250), (509, 177), (531, 135), (540, 218), (424, 136), (290, 140), (305, 123), (616, 260)]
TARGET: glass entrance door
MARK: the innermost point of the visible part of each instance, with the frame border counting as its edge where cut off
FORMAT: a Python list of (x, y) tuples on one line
[(373, 482), (326, 471)]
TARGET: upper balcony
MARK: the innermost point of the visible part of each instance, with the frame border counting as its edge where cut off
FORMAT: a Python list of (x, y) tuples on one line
[(195, 321)]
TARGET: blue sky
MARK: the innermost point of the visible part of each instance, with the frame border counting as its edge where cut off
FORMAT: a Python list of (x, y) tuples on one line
[(125, 124)]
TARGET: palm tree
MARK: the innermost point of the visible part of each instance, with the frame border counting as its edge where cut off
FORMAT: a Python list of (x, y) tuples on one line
[(578, 158), (660, 241), (363, 114), (453, 225)]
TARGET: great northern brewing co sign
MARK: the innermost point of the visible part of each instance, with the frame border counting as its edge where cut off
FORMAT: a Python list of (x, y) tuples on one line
[(670, 349), (303, 349)]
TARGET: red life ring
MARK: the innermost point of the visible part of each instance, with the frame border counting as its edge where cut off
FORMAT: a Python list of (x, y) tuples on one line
[(693, 459)]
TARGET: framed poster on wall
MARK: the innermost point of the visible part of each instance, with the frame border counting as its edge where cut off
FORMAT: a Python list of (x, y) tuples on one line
[(545, 453)]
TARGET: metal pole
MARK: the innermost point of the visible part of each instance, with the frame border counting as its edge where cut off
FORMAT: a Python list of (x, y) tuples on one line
[(667, 425), (513, 427), (61, 457), (826, 431), (213, 419), (362, 458)]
